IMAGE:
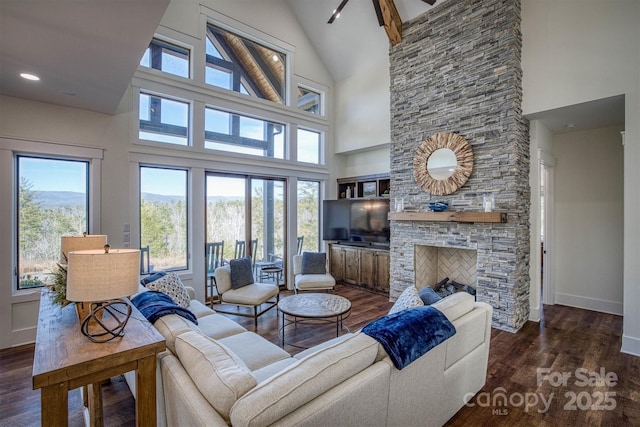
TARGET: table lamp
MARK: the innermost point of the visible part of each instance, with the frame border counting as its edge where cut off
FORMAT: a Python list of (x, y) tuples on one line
[(82, 242), (103, 278)]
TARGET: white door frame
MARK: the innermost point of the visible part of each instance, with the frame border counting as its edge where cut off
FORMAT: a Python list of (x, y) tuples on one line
[(547, 167)]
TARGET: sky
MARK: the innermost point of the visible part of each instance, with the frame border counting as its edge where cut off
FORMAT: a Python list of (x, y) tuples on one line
[(69, 175)]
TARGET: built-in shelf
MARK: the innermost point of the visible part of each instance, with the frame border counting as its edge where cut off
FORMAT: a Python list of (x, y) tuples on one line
[(364, 187), (449, 216)]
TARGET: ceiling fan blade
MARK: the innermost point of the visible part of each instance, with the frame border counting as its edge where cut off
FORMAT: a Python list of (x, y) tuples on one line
[(378, 9), (431, 2), (336, 12)]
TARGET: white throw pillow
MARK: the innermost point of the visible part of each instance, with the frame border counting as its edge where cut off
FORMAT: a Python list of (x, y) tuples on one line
[(171, 285), (409, 298), (219, 374)]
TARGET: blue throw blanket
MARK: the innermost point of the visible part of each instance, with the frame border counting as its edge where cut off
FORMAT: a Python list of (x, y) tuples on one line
[(408, 334), (153, 305)]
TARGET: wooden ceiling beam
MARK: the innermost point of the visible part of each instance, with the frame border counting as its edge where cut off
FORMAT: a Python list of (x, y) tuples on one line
[(386, 9)]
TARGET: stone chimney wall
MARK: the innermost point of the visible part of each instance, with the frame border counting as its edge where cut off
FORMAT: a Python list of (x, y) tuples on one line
[(458, 70)]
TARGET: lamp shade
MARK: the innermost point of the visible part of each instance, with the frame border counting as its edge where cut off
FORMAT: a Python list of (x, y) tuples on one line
[(97, 275), (80, 243)]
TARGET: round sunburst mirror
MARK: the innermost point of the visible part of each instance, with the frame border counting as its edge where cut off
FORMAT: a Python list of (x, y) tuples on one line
[(443, 163)]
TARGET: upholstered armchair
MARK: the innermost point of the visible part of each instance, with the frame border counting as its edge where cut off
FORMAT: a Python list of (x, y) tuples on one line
[(310, 272), (236, 286)]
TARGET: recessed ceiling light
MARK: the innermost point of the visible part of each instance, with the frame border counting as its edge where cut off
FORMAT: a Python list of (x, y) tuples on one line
[(275, 58), (29, 76)]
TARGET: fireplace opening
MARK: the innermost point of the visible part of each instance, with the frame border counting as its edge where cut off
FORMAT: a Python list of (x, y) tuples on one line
[(454, 269)]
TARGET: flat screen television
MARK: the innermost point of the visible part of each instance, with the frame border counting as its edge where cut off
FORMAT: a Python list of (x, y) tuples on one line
[(362, 222)]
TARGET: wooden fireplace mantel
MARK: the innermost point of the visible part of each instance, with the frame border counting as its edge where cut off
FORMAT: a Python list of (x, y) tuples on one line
[(497, 217)]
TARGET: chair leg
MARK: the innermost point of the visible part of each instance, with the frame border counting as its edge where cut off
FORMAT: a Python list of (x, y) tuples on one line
[(255, 316)]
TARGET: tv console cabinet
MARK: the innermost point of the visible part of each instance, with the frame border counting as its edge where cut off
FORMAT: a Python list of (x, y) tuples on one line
[(360, 266)]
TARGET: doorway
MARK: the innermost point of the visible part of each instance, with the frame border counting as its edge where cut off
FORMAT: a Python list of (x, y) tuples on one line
[(547, 288)]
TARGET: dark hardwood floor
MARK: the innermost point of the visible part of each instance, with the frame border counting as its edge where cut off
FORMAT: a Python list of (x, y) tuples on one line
[(566, 340)]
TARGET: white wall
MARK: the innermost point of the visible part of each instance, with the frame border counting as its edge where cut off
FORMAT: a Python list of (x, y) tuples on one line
[(362, 110), (22, 120), (588, 219), (70, 129), (576, 51), (366, 162)]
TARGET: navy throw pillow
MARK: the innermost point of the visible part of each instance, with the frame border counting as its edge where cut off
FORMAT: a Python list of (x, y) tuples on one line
[(152, 277), (241, 272), (314, 263), (428, 295)]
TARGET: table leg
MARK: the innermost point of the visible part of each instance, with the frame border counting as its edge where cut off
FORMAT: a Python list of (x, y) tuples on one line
[(283, 329), (54, 402), (94, 403), (146, 392)]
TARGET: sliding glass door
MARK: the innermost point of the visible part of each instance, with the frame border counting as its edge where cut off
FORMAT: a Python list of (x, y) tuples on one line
[(247, 213), (268, 219), (225, 214)]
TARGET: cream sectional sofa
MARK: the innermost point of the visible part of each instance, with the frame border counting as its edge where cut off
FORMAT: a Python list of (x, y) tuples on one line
[(217, 373)]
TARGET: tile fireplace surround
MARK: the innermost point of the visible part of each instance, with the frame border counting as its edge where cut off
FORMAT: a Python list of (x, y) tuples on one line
[(458, 70)]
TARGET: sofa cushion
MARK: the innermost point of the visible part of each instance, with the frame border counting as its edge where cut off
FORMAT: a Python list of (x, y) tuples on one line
[(268, 371), (171, 285), (217, 326), (314, 281), (172, 326), (219, 375), (199, 309), (254, 294), (223, 278), (255, 351), (455, 305), (471, 327), (241, 272), (408, 298), (322, 345), (314, 263), (304, 381)]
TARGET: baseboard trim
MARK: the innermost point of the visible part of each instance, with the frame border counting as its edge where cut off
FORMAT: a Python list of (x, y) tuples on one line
[(535, 314), (630, 345), (600, 305)]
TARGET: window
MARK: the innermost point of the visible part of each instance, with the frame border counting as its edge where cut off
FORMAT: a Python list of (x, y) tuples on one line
[(242, 65), (164, 120), (308, 146), (309, 214), (242, 134), (163, 217), (52, 201), (166, 57), (309, 100)]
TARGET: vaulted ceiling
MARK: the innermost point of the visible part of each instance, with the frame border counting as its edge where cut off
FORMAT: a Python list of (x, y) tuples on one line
[(87, 51), (84, 51), (354, 41)]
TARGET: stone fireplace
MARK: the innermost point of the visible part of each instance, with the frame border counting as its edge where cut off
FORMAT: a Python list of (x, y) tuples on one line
[(458, 70)]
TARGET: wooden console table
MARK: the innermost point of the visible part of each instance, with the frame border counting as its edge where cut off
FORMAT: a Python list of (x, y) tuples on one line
[(65, 359)]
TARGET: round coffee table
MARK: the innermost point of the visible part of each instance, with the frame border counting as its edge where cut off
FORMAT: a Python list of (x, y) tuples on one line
[(314, 306)]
